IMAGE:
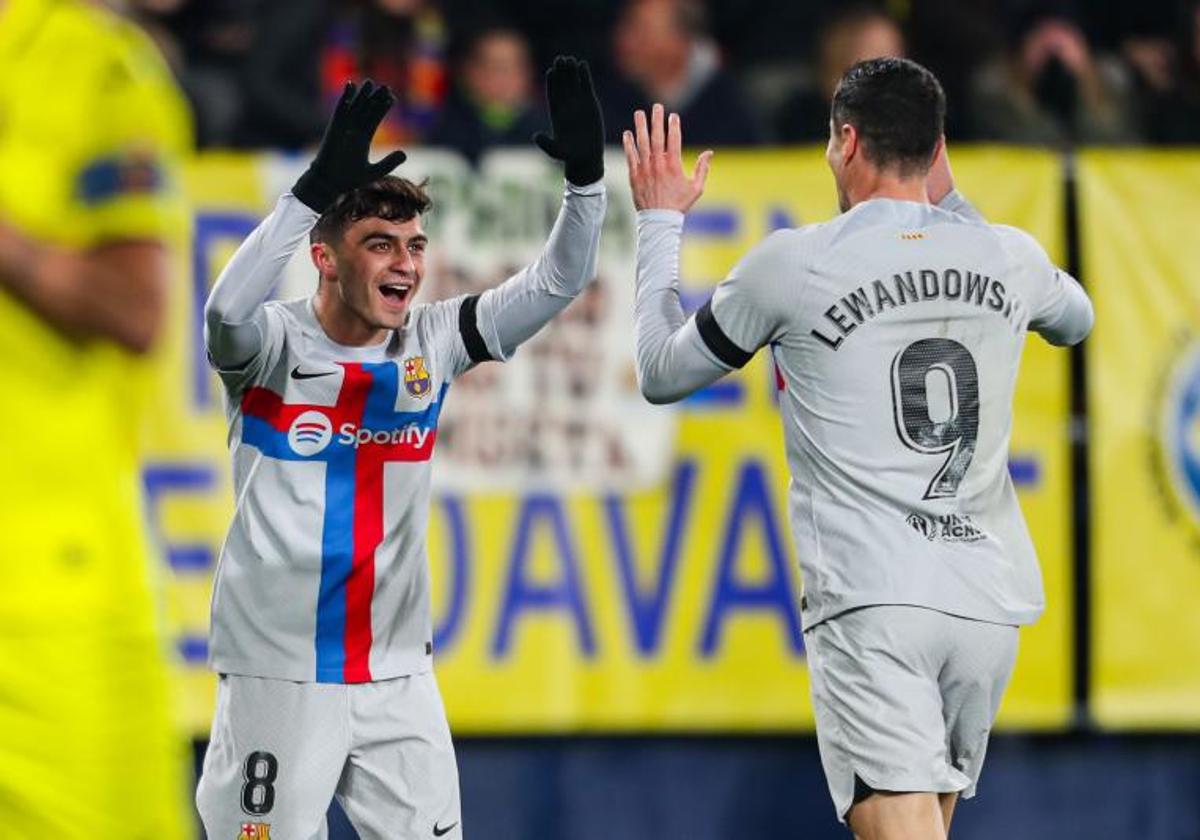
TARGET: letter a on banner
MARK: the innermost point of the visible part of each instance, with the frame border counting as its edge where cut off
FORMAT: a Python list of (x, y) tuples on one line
[(522, 594)]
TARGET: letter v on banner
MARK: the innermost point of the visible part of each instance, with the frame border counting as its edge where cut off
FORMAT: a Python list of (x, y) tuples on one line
[(647, 609)]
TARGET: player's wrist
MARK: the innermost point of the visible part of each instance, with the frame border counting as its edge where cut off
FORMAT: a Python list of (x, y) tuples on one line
[(661, 214), (585, 172)]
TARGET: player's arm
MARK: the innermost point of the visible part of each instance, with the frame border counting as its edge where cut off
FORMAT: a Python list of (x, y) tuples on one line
[(1066, 315), (235, 321), (1060, 310), (115, 291), (1063, 313), (940, 187), (236, 327), (496, 322), (677, 355)]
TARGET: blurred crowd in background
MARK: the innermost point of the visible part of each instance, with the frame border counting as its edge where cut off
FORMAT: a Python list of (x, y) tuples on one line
[(265, 73)]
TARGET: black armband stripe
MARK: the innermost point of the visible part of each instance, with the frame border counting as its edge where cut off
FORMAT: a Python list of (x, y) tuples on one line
[(716, 340), (468, 326)]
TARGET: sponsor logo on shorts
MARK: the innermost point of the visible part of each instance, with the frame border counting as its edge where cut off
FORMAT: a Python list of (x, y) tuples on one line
[(438, 831), (416, 377), (255, 831), (951, 528)]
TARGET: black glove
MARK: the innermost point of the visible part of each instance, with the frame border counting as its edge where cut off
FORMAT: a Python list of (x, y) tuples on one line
[(342, 162), (575, 121)]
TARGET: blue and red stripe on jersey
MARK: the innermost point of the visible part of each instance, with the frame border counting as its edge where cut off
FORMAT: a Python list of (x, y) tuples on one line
[(353, 525)]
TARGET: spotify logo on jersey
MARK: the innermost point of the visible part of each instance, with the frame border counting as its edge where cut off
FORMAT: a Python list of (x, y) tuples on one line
[(310, 433)]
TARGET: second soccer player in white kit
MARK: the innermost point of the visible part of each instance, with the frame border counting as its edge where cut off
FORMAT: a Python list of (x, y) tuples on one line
[(897, 328), (321, 623)]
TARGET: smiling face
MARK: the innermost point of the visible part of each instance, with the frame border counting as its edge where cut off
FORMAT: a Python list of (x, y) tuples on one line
[(370, 275)]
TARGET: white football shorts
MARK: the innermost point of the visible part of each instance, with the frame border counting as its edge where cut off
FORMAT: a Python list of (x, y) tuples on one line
[(280, 751), (905, 698)]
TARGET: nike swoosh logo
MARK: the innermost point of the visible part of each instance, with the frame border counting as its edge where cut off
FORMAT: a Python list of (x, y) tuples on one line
[(296, 374), (438, 832)]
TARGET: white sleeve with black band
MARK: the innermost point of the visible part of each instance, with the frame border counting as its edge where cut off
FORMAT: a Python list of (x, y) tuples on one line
[(717, 341), (468, 327)]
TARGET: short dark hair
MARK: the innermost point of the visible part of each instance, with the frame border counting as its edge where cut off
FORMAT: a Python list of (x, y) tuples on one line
[(392, 198), (898, 108)]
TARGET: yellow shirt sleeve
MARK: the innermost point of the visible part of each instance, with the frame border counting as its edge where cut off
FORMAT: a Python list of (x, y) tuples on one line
[(127, 180), (94, 130)]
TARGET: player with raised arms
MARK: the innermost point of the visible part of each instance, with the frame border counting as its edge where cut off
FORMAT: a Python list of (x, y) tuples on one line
[(321, 625), (897, 329)]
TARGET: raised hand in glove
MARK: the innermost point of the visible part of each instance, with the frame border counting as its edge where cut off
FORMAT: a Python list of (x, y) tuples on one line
[(577, 129), (342, 162)]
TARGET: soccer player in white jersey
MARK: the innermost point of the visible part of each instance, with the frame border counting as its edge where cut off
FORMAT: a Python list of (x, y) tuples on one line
[(321, 623), (897, 328)]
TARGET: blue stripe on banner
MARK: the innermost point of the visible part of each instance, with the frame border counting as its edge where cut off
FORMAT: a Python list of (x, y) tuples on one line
[(190, 558), (337, 561), (710, 222), (692, 299), (193, 649), (1025, 470), (723, 394)]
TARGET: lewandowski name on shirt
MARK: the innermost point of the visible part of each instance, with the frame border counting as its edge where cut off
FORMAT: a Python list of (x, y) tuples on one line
[(919, 286)]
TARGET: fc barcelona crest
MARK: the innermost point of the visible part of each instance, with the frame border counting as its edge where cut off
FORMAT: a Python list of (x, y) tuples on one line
[(255, 831), (416, 378)]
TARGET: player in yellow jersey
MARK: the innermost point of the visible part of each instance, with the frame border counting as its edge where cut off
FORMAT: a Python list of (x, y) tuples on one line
[(92, 132)]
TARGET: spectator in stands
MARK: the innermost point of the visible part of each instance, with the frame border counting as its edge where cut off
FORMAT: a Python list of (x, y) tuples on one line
[(953, 39), (1166, 70), (400, 43), (1051, 88), (491, 102), (664, 54), (206, 45), (852, 35)]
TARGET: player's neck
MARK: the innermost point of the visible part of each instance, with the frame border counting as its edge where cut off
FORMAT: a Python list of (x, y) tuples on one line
[(343, 326), (885, 185)]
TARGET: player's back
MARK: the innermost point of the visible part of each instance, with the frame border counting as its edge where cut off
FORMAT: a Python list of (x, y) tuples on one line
[(899, 344)]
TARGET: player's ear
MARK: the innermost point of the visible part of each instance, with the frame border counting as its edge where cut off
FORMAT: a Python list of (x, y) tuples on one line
[(848, 135), (324, 259)]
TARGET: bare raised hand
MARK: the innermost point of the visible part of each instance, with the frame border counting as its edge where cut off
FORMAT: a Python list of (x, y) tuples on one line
[(655, 159)]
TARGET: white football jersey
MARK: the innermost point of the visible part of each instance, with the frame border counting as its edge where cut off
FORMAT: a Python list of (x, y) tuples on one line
[(331, 449), (323, 576), (897, 329)]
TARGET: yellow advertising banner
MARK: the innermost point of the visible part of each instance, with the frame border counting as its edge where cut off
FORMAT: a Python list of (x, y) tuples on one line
[(1141, 260), (600, 564)]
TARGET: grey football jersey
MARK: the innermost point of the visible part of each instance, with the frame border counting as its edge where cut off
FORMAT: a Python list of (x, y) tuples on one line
[(898, 329)]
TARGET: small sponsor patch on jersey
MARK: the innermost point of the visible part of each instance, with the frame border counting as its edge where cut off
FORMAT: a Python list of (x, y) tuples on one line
[(107, 178), (255, 831), (417, 380), (910, 235), (953, 527)]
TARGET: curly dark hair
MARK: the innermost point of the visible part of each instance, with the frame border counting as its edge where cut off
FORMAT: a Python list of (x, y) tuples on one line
[(392, 198), (898, 108)]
